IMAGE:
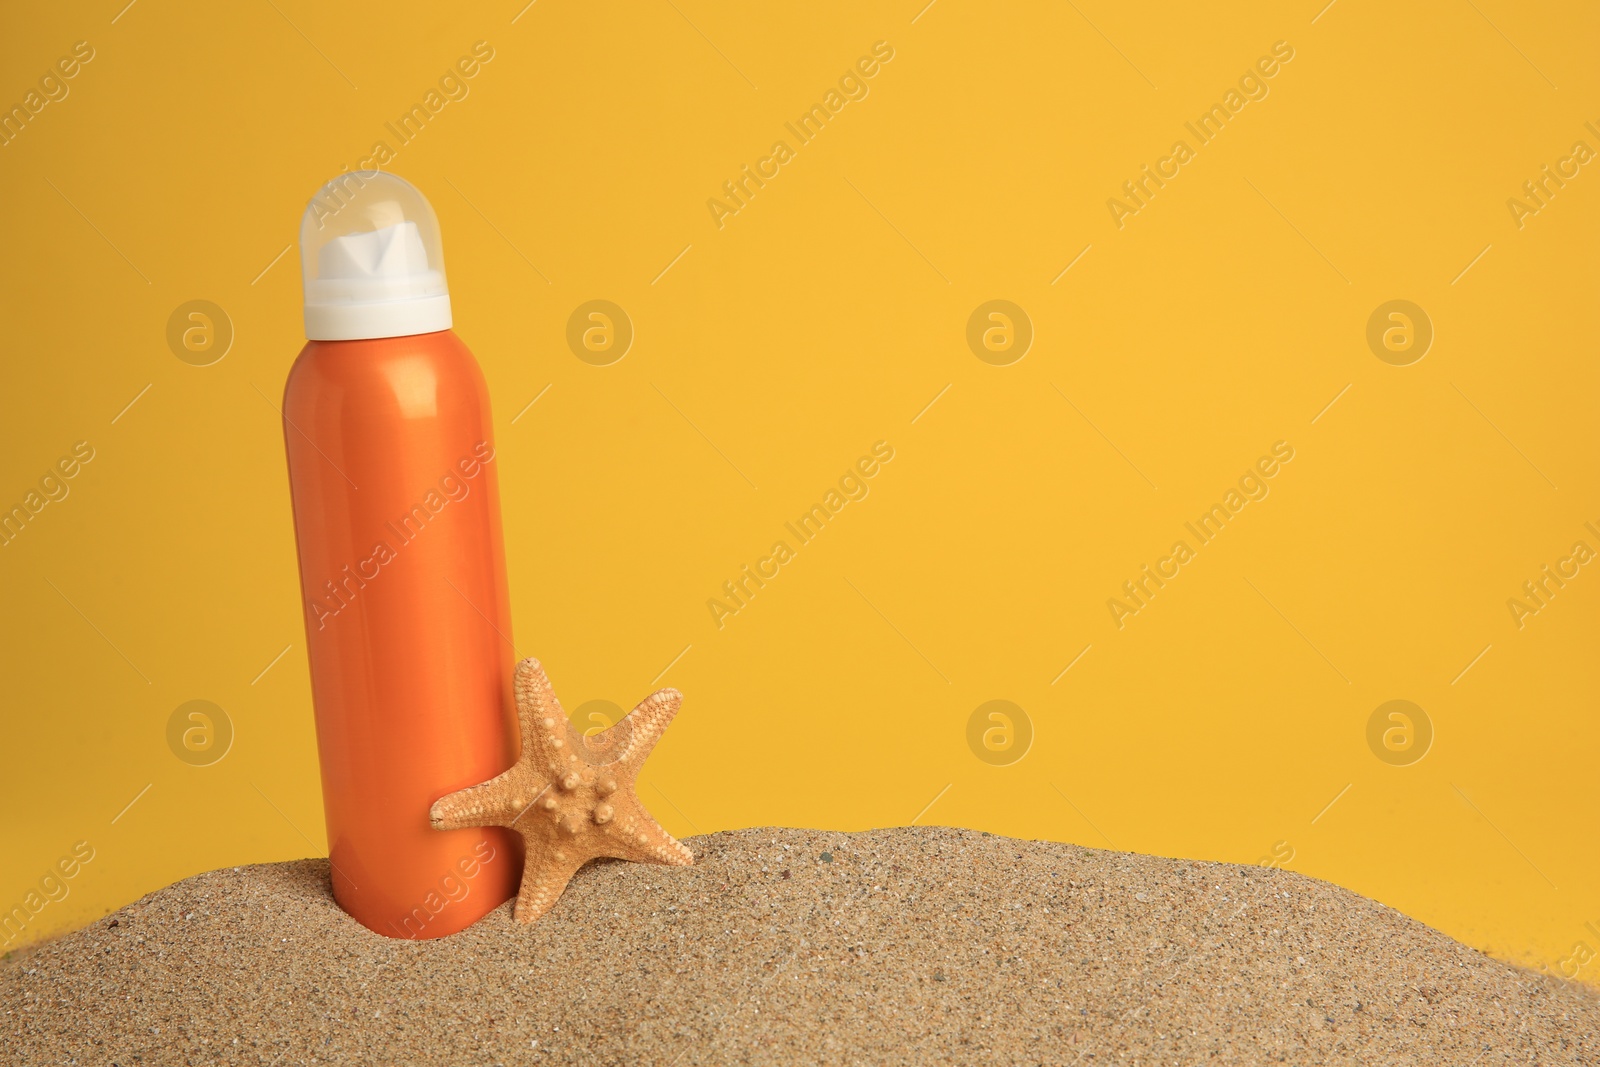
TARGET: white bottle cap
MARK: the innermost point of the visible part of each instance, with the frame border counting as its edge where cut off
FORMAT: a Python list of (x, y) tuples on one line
[(372, 261)]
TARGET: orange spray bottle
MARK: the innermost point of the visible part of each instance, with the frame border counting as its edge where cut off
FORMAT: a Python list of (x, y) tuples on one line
[(402, 566)]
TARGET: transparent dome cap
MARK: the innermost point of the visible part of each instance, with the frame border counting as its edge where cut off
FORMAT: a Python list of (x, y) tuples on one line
[(372, 260)]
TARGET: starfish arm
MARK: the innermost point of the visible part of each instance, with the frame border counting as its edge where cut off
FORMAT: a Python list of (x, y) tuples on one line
[(497, 802), (548, 739), (641, 728), (546, 870), (635, 835)]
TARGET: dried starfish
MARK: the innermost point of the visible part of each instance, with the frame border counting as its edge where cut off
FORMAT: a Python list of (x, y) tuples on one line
[(571, 797)]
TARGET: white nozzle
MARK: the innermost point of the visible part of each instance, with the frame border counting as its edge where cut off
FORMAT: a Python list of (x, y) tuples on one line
[(372, 260)]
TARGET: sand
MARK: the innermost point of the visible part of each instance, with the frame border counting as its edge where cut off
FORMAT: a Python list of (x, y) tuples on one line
[(907, 946)]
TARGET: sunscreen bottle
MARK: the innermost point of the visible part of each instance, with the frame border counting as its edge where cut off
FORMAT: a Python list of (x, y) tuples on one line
[(402, 563)]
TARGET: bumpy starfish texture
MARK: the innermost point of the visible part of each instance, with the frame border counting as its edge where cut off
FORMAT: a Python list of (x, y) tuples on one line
[(571, 797)]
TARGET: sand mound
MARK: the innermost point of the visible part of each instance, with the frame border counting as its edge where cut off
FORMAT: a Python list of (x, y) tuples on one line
[(909, 946)]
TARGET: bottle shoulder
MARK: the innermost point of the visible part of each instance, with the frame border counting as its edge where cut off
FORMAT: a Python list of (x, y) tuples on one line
[(442, 349), (416, 373)]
